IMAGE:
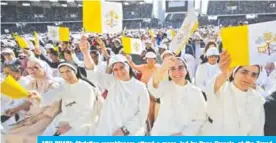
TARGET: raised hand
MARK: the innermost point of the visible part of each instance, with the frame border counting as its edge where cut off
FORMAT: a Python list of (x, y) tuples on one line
[(225, 61), (84, 44), (37, 51)]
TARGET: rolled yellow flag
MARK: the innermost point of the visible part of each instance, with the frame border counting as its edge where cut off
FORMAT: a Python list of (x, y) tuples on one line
[(13, 89), (36, 39)]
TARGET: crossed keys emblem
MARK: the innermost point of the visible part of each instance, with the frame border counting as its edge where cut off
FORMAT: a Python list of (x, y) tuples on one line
[(112, 18), (270, 43)]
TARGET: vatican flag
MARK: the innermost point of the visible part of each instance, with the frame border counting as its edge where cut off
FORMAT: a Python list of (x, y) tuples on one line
[(58, 33), (102, 17), (132, 45), (250, 44), (13, 89), (188, 27)]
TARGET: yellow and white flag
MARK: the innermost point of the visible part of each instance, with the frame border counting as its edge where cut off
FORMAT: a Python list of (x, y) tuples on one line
[(132, 45), (250, 44), (58, 33), (189, 26), (102, 17), (13, 89)]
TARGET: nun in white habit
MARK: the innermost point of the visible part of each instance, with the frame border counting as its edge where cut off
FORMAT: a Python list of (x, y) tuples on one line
[(126, 107), (233, 106), (182, 108), (208, 70), (78, 98)]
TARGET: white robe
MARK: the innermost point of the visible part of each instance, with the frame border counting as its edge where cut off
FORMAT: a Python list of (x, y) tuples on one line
[(182, 109), (77, 107), (204, 73), (262, 79), (191, 64), (234, 112), (127, 104)]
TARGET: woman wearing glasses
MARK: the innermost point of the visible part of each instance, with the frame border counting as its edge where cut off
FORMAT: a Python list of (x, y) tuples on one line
[(42, 106), (236, 109), (182, 107), (209, 69), (126, 107)]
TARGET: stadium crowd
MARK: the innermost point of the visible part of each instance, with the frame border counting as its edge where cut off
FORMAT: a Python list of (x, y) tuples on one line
[(89, 86)]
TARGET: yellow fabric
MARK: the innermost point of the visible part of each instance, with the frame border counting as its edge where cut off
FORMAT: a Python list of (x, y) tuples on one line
[(36, 40), (12, 89), (21, 42), (64, 34), (235, 41), (126, 44), (91, 16)]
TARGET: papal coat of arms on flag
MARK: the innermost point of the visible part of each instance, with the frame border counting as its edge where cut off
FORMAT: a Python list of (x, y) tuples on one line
[(102, 17), (266, 43), (112, 18)]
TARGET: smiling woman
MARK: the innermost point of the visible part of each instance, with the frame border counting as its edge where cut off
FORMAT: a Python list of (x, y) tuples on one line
[(67, 123), (235, 107), (184, 106)]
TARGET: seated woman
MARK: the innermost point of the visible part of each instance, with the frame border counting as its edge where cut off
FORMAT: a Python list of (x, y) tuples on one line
[(10, 113), (41, 108), (78, 101)]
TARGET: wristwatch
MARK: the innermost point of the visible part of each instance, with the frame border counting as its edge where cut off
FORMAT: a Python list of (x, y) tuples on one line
[(125, 131)]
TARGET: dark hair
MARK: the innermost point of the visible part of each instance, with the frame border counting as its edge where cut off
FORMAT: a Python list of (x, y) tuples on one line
[(53, 52), (79, 74), (67, 51), (231, 78), (14, 67), (208, 45), (95, 52), (187, 77)]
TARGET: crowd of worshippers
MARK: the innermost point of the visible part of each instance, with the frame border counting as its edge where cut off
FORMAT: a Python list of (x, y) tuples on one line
[(90, 87)]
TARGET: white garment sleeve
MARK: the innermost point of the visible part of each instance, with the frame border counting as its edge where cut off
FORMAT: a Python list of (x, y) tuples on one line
[(258, 126), (199, 78), (101, 79), (81, 112), (139, 119), (77, 61), (198, 116)]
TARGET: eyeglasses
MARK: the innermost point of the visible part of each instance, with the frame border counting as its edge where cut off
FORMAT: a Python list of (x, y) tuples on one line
[(246, 72), (180, 68)]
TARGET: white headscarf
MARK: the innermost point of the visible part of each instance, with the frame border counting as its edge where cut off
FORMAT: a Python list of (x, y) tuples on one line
[(42, 86)]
